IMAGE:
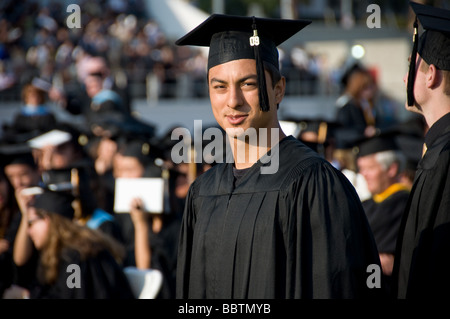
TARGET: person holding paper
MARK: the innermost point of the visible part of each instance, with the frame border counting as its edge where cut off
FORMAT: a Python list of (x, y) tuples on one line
[(150, 237), (60, 147)]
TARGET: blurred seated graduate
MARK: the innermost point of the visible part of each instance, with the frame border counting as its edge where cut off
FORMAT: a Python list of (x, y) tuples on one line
[(316, 133), (382, 163), (72, 182), (355, 109), (75, 262), (63, 149), (150, 238), (35, 117), (9, 224), (79, 183), (60, 147), (22, 173)]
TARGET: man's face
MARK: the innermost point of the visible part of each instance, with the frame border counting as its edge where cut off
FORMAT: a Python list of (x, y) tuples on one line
[(38, 228), (94, 85), (375, 175), (127, 167), (56, 157), (233, 91), (21, 175)]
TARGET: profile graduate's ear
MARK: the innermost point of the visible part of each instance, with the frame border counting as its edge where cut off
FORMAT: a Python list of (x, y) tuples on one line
[(232, 38)]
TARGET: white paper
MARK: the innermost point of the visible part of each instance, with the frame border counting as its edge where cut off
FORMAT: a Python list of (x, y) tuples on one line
[(53, 138), (290, 128), (150, 190), (32, 191)]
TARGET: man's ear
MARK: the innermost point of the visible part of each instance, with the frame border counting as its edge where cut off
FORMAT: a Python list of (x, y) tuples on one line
[(393, 170), (433, 77), (280, 89)]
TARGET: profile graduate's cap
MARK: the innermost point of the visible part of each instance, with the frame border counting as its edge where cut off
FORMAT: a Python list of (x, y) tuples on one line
[(434, 43), (232, 38)]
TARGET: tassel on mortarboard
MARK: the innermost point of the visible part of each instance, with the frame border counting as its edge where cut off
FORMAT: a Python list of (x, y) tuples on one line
[(261, 78), (412, 65)]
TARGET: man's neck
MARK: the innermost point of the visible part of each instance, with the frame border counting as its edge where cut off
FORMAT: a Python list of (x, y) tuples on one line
[(246, 152), (438, 108)]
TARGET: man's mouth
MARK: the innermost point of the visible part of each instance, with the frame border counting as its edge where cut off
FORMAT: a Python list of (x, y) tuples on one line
[(236, 119)]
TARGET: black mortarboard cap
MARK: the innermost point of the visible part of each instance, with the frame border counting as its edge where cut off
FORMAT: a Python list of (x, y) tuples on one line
[(137, 147), (60, 134), (433, 44), (144, 151), (379, 143), (16, 154), (232, 38), (349, 71), (55, 202), (62, 180)]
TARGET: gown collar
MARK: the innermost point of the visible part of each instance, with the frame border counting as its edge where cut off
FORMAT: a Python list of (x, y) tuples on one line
[(437, 129)]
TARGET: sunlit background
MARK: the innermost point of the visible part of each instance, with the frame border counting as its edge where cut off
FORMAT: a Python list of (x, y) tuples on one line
[(167, 83)]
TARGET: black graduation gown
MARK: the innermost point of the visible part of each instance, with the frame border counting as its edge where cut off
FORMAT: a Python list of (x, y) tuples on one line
[(384, 219), (351, 124), (29, 123), (100, 278), (6, 257), (422, 264), (164, 253), (299, 233)]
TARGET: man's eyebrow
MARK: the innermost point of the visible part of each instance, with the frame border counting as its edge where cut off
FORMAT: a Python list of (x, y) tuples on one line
[(217, 80), (243, 79)]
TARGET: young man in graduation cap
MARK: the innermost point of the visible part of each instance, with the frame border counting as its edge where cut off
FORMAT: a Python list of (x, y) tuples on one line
[(299, 232), (422, 259)]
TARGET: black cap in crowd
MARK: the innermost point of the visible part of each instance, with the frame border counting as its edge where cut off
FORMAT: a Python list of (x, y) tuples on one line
[(61, 134), (232, 38), (434, 43), (55, 202), (379, 143), (16, 154)]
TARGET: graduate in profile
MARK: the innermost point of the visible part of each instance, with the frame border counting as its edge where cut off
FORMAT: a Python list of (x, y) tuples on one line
[(422, 262)]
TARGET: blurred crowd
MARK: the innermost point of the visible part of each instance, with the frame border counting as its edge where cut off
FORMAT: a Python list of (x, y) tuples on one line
[(36, 42), (53, 172), (90, 72)]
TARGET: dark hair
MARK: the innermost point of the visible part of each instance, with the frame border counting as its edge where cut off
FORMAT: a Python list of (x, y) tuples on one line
[(445, 76), (275, 74), (11, 207), (31, 89)]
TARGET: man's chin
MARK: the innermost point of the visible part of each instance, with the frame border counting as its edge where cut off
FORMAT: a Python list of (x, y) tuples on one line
[(413, 108)]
